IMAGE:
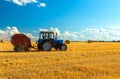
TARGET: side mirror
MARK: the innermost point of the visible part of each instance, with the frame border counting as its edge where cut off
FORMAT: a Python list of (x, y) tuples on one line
[(56, 36)]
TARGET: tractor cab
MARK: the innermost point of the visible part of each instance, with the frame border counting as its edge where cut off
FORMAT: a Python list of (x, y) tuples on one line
[(47, 35), (48, 40)]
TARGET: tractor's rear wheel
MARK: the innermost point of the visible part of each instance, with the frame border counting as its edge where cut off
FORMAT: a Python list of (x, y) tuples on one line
[(47, 46), (63, 47)]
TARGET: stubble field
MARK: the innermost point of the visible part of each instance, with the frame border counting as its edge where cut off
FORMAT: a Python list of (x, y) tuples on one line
[(82, 60)]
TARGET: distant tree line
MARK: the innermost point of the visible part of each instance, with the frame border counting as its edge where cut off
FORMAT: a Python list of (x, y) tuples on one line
[(90, 41)]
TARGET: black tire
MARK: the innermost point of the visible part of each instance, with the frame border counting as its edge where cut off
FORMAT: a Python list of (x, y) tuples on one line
[(46, 46), (52, 42), (18, 49), (15, 49), (39, 46), (27, 48), (63, 47)]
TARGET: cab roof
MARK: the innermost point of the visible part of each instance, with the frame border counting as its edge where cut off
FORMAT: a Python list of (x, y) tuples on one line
[(49, 32)]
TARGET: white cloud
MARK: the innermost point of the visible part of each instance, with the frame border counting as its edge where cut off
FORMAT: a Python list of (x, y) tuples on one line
[(43, 29), (22, 2), (10, 31), (114, 27), (25, 2), (69, 36), (41, 5), (55, 30), (34, 31), (66, 35), (18, 2), (2, 32), (30, 35), (106, 34)]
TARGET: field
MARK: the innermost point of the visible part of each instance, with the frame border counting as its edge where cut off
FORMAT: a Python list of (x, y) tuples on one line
[(82, 60)]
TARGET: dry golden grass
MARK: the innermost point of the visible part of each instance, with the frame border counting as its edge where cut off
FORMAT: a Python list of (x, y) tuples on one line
[(81, 61)]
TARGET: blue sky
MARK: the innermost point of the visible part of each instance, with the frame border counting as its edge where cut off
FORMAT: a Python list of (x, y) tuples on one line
[(70, 17)]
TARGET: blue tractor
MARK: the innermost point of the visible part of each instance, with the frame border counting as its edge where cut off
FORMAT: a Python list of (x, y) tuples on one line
[(48, 40)]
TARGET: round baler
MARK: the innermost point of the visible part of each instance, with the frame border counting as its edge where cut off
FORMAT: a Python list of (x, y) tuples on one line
[(21, 42)]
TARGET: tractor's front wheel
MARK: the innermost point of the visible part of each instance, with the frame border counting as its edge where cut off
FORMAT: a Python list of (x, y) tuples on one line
[(47, 46), (63, 47)]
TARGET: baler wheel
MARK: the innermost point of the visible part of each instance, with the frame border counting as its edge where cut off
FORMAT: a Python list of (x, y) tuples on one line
[(18, 49), (27, 49), (46, 46), (63, 47)]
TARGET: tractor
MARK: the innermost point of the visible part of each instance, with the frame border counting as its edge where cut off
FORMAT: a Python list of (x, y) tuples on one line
[(48, 40)]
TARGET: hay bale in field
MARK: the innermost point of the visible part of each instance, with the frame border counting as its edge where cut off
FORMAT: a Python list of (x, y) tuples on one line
[(67, 41), (90, 41), (2, 41)]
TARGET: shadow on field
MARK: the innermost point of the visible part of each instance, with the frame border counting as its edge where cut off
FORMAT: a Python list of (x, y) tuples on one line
[(27, 51), (6, 51)]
